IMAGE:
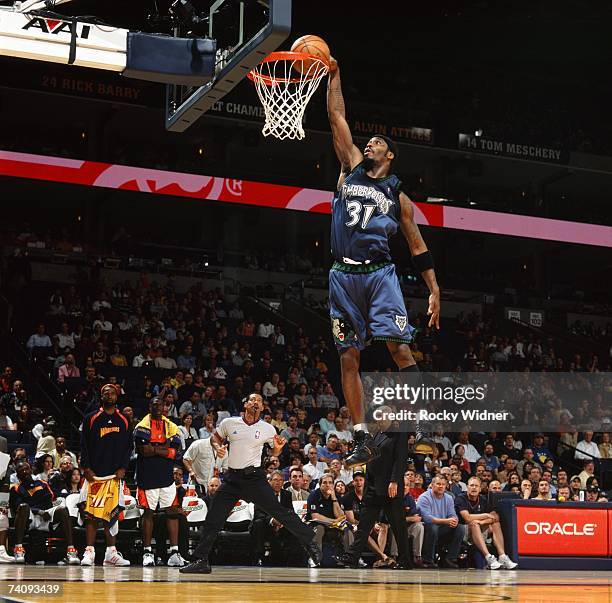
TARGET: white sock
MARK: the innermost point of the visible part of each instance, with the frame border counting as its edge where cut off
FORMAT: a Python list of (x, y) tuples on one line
[(174, 549), (111, 549)]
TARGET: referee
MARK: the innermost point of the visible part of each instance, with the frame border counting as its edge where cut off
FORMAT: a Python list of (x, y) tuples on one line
[(246, 480)]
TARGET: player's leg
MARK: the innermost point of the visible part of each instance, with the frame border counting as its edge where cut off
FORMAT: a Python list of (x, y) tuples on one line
[(147, 501), (169, 504), (62, 516), (222, 503), (347, 310), (22, 519)]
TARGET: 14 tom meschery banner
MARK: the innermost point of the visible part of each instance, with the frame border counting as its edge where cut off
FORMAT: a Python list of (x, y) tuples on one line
[(518, 150)]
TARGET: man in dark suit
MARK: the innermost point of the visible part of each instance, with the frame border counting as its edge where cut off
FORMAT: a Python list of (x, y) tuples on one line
[(266, 532), (384, 491)]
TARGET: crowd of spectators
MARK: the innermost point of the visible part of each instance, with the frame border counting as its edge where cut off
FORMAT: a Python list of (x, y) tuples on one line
[(202, 355)]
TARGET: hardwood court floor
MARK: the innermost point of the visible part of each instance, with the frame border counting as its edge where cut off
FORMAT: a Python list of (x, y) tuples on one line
[(280, 585)]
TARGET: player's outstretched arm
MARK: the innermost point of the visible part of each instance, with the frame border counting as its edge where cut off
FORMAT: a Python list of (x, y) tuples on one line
[(421, 258), (348, 154)]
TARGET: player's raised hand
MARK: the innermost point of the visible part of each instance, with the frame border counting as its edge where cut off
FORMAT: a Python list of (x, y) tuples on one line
[(333, 64), (434, 310)]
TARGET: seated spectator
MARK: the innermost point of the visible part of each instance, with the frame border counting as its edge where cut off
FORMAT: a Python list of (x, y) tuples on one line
[(326, 516), (543, 491), (6, 422), (576, 486), (293, 431), (415, 527), (187, 432), (186, 361), (587, 449), (267, 532), (194, 406), (296, 488), (460, 460), (471, 510), (102, 323), (66, 337), (588, 471), (509, 448), (540, 450), (43, 467), (117, 358), (208, 428), (508, 467), (314, 468), (457, 487), (339, 430), (469, 451), (338, 472), (327, 399), (331, 450), (163, 361), (410, 484), (68, 369), (31, 504), (13, 398), (327, 423), (605, 446), (40, 339), (99, 355), (76, 481), (313, 442), (60, 479), (491, 460), (270, 388), (564, 494), (60, 451), (303, 398), (441, 523), (594, 494), (279, 420)]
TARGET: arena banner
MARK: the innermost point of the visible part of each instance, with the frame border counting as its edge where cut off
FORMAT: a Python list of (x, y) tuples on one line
[(83, 83), (518, 150), (229, 190), (555, 531)]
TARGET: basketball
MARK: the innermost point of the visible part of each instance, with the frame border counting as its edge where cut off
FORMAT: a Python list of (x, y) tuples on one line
[(311, 45)]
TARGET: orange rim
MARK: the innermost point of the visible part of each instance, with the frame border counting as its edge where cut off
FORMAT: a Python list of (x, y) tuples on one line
[(255, 73)]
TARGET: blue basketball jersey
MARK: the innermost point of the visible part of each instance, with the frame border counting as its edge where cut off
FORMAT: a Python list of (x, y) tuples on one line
[(365, 214)]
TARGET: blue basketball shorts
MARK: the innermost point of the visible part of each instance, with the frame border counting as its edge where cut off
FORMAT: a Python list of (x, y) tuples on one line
[(367, 306)]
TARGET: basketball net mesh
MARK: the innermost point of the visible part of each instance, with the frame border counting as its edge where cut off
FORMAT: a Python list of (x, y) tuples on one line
[(284, 92)]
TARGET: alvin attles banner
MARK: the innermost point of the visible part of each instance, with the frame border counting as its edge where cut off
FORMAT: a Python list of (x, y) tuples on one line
[(195, 186)]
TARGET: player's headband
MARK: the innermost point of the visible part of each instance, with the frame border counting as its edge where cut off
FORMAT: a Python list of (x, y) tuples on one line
[(392, 146)]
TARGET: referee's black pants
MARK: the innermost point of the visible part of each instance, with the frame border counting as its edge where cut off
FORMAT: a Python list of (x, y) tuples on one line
[(373, 504), (250, 488)]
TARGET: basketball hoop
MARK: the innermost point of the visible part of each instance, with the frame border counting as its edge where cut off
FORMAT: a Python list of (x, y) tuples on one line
[(285, 82)]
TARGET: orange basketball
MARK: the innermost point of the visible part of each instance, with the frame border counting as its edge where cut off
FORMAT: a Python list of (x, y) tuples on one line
[(311, 45)]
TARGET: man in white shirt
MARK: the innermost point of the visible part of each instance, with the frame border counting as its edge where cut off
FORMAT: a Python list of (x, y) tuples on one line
[(265, 329), (65, 338), (163, 361), (471, 454), (586, 448), (105, 325), (343, 434), (200, 460), (40, 339), (314, 467)]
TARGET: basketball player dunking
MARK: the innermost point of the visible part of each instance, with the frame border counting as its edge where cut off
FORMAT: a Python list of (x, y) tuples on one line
[(365, 298)]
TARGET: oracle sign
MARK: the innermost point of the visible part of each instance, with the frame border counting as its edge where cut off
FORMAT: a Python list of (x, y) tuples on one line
[(557, 531), (567, 529)]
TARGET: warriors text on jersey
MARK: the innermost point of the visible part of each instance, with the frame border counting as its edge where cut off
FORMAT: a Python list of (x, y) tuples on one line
[(365, 213)]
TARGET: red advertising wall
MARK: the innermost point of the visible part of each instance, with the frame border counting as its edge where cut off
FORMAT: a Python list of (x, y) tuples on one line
[(556, 531)]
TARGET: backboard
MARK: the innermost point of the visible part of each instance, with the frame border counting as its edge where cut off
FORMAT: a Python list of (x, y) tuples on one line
[(246, 32)]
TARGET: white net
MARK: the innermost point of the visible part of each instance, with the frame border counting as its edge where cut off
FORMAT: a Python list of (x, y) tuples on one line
[(284, 86)]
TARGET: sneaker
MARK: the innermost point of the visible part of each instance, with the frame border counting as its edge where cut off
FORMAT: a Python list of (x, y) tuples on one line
[(364, 452), (361, 563), (148, 559), (5, 557), (492, 563), (175, 560), (19, 553), (314, 555), (72, 556), (115, 558), (506, 562), (89, 556), (199, 566)]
